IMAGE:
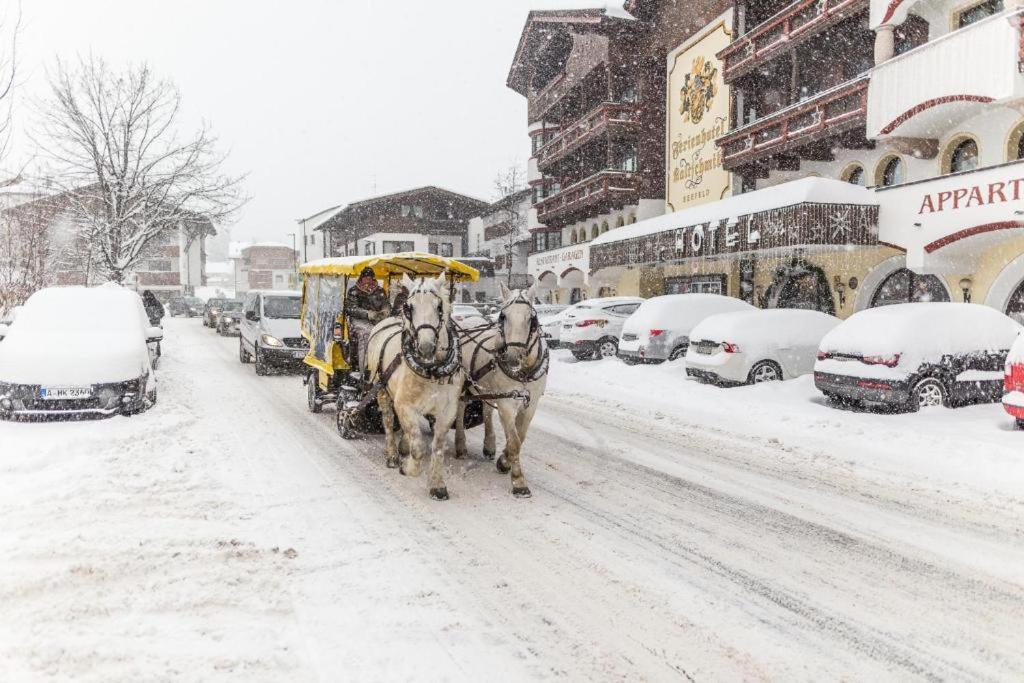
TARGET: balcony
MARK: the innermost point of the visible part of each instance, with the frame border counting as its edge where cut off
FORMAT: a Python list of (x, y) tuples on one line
[(592, 195), (607, 116), (828, 113), (796, 23), (927, 91)]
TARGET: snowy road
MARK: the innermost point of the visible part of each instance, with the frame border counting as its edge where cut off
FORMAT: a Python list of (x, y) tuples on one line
[(230, 534)]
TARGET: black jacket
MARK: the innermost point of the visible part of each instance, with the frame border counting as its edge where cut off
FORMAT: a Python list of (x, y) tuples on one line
[(360, 305)]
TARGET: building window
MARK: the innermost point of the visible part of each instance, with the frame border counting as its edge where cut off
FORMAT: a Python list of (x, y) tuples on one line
[(890, 171), (394, 247), (594, 231), (854, 174), (583, 234), (412, 210), (604, 227), (961, 155), (1015, 306), (554, 240), (447, 249), (432, 247), (157, 265), (625, 158), (619, 222), (905, 286), (982, 10), (1015, 143), (369, 247)]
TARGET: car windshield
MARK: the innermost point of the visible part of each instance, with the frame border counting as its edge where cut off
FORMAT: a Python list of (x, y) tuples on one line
[(282, 306), (216, 303), (193, 301), (233, 305)]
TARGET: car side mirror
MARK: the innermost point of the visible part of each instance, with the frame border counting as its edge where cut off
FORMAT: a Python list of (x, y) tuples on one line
[(251, 316), (154, 334)]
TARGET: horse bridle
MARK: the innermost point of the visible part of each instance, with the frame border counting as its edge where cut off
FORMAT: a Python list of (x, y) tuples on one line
[(533, 334), (445, 367)]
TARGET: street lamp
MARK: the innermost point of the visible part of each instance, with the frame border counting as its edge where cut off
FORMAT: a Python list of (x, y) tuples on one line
[(295, 257)]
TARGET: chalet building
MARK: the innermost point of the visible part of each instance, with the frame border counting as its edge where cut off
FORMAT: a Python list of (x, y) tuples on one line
[(498, 245), (174, 264), (313, 243), (949, 124), (428, 219), (266, 265), (596, 89)]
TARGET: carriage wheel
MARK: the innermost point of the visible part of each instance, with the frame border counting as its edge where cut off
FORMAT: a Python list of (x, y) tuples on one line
[(346, 426)]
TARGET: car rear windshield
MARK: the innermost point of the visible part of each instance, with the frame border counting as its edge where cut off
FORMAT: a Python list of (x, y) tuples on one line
[(282, 306), (232, 305)]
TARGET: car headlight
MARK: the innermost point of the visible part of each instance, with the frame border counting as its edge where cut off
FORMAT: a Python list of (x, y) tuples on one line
[(271, 341), (227, 319)]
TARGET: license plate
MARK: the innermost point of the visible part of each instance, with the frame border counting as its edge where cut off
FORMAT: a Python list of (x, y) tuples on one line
[(299, 354), (65, 393)]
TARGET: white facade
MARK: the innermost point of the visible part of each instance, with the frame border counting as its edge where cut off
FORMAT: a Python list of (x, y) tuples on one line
[(313, 242)]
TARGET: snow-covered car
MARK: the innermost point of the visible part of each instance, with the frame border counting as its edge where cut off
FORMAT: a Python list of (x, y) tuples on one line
[(213, 308), (229, 318), (754, 346), (551, 325), (917, 355), (1013, 382), (591, 328), (79, 352), (269, 332), (462, 312), (660, 329)]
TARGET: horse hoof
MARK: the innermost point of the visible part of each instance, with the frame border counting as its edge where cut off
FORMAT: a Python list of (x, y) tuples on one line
[(460, 455), (489, 452), (442, 493), (502, 466), (391, 463), (521, 491)]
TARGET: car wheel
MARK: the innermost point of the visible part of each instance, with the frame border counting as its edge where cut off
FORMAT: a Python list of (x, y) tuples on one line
[(261, 366), (1020, 424), (313, 394), (630, 361), (607, 348), (582, 355), (765, 371), (243, 355), (928, 393), (677, 353)]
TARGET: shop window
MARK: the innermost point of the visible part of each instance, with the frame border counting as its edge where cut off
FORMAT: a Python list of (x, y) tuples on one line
[(1015, 143), (854, 174), (976, 13), (1015, 306), (695, 284), (905, 286), (961, 155), (890, 171)]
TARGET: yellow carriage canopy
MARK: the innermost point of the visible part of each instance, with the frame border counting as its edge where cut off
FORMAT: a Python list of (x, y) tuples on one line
[(412, 263), (323, 294)]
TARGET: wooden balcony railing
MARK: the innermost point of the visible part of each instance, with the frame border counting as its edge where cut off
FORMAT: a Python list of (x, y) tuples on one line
[(596, 122), (801, 19), (831, 112), (603, 186)]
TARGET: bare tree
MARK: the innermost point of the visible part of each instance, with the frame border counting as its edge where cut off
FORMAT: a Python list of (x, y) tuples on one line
[(10, 29), (511, 212), (26, 253), (128, 176)]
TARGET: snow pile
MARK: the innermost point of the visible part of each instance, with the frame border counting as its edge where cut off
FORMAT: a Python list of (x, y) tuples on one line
[(680, 312), (769, 328), (921, 331), (76, 336)]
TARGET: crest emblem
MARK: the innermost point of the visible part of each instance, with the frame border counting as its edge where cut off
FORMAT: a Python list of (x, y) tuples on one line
[(698, 91)]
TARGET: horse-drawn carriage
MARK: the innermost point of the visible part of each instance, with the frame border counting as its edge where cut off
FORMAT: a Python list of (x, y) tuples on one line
[(424, 374), (332, 377)]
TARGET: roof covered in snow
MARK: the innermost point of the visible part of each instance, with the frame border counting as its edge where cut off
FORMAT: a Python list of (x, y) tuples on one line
[(804, 191)]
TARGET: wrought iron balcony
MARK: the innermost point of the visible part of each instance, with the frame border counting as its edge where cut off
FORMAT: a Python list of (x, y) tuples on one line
[(828, 113), (799, 21), (605, 117), (604, 188)]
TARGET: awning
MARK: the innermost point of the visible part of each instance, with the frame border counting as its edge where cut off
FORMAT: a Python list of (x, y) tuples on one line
[(806, 212)]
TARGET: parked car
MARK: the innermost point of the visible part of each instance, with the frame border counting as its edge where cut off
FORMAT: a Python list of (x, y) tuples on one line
[(1013, 382), (212, 308), (660, 329), (188, 306), (79, 352), (551, 325), (269, 331), (591, 328), (230, 318), (917, 355), (754, 346), (462, 312)]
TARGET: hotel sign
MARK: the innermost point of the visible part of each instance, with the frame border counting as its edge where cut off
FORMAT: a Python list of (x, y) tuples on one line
[(559, 261), (698, 112), (926, 217)]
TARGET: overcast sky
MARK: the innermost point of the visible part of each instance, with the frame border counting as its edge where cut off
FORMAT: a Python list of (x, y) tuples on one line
[(321, 101)]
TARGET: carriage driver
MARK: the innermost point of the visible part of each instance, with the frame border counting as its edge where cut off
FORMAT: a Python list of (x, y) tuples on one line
[(366, 304)]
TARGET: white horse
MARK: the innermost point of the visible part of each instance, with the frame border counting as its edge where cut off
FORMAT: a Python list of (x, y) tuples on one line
[(499, 359), (420, 350)]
